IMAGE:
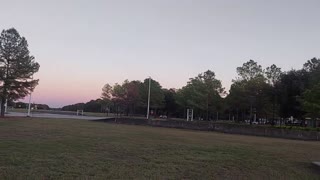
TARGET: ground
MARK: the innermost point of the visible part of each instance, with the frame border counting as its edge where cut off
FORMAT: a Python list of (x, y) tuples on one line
[(32, 148)]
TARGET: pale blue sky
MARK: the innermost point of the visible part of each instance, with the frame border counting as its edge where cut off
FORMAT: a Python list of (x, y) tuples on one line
[(82, 44)]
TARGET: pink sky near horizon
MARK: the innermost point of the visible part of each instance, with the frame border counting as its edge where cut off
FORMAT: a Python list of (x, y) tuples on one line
[(60, 91), (82, 45)]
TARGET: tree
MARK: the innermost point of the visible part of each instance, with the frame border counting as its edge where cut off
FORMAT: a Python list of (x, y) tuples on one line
[(311, 102), (249, 70), (312, 65), (202, 93), (74, 107), (106, 92), (312, 69), (185, 98), (17, 67), (291, 86), (106, 97), (131, 96), (93, 106), (258, 92), (118, 99), (156, 95), (210, 89), (251, 84), (237, 100), (170, 102), (273, 74)]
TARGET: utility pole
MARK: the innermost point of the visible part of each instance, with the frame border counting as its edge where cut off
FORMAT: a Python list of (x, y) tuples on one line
[(149, 98)]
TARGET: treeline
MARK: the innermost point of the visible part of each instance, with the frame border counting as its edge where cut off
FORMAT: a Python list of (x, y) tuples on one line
[(22, 105), (91, 106), (256, 93)]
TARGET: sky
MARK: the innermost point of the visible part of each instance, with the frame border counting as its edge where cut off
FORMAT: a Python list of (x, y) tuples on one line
[(83, 44)]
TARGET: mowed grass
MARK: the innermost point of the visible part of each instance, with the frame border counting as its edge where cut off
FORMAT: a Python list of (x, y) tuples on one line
[(33, 148)]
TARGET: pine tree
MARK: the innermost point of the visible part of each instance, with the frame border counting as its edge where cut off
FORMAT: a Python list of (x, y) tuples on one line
[(17, 67)]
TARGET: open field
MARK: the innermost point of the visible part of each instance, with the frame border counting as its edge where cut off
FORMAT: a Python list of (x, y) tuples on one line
[(59, 112), (92, 114), (33, 148)]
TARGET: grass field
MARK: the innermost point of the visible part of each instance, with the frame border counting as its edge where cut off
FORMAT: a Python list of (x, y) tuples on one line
[(66, 149)]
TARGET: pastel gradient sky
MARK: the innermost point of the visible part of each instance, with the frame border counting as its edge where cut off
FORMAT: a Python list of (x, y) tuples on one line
[(83, 44)]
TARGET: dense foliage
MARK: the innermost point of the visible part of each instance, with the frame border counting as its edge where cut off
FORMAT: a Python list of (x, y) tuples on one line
[(256, 92)]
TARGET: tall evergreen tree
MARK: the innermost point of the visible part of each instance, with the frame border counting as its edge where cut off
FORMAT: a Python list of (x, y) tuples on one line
[(17, 67)]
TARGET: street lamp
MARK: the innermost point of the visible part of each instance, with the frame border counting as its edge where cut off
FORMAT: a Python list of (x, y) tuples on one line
[(149, 98)]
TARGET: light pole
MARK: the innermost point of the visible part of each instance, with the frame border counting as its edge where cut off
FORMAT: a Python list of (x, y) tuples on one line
[(149, 98), (29, 107), (6, 106)]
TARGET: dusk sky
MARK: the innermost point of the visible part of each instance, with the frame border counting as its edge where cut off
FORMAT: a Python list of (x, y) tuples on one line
[(81, 45)]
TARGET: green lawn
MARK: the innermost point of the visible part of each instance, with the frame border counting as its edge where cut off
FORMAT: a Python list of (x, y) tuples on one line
[(65, 149)]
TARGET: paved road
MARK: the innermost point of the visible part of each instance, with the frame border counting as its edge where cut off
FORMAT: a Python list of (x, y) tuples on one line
[(58, 116)]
